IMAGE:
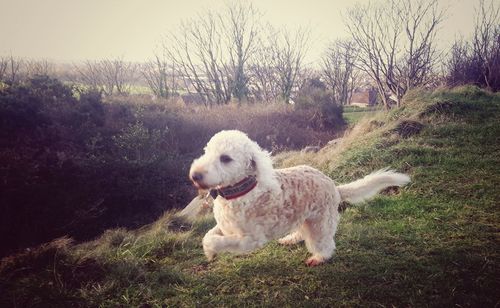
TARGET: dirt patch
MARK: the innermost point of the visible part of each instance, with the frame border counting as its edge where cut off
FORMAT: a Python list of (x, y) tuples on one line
[(374, 124), (343, 206), (390, 191)]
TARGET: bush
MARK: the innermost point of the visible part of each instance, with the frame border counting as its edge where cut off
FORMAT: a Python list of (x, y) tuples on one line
[(186, 129), (467, 67), (78, 165), (137, 144), (477, 61), (327, 113)]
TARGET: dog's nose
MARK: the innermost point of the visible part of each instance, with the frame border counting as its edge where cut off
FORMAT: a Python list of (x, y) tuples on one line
[(197, 176)]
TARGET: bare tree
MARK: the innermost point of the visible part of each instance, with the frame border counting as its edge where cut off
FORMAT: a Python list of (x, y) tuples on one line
[(39, 67), (159, 76), (117, 75), (338, 70), (277, 65), (486, 43), (197, 53), (242, 25), (477, 60), (89, 74), (107, 76), (4, 63), (460, 65), (211, 52), (306, 79), (11, 69), (263, 80), (395, 41), (288, 50)]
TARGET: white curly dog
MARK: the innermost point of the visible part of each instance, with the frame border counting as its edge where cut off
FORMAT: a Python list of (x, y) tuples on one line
[(255, 203)]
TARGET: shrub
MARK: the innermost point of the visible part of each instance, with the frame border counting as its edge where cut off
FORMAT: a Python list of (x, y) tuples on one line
[(78, 165), (137, 144), (467, 67), (477, 61), (327, 113), (68, 165)]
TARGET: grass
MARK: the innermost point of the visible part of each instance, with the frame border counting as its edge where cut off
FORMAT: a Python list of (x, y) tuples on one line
[(354, 114), (354, 117), (132, 88), (434, 243)]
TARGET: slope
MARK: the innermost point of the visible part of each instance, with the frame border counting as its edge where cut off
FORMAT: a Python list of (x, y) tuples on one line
[(434, 243)]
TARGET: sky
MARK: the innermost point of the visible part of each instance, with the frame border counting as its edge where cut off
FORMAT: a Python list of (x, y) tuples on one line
[(76, 30)]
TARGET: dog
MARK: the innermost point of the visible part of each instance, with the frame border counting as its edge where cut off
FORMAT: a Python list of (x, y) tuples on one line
[(255, 203)]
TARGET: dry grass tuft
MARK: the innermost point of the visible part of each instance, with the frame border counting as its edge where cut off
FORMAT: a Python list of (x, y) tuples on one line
[(408, 128)]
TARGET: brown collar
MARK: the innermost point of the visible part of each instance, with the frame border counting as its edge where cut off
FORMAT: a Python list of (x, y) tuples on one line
[(237, 190)]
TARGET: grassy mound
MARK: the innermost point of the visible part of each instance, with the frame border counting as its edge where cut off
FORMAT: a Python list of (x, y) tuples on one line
[(434, 243)]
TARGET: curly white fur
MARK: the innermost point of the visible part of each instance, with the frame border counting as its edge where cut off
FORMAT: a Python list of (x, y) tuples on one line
[(299, 201)]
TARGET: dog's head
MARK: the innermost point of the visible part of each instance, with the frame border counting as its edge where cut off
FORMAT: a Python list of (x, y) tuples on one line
[(229, 157)]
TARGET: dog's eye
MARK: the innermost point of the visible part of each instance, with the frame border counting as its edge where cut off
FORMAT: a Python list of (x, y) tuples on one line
[(225, 159)]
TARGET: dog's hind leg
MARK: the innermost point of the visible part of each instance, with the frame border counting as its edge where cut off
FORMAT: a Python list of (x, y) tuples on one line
[(319, 237), (291, 239)]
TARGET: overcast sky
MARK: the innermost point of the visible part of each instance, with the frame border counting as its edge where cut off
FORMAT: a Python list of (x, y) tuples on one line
[(73, 30)]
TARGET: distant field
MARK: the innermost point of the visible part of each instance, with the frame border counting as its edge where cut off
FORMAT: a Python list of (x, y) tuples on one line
[(133, 88), (138, 89), (354, 117), (353, 114)]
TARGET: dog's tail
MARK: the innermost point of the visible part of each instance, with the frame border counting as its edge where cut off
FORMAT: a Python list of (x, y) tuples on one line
[(370, 185)]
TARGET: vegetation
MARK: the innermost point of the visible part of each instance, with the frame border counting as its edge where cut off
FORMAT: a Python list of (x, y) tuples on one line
[(477, 60), (433, 243), (233, 54), (355, 117), (338, 70), (98, 162), (78, 164), (398, 51), (354, 114)]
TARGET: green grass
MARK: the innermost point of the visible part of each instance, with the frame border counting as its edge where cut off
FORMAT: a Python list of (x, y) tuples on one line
[(138, 89), (354, 114), (132, 88), (353, 117), (434, 243)]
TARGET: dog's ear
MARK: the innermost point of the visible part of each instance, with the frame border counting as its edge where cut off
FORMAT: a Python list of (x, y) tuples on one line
[(253, 164), (260, 160), (262, 165)]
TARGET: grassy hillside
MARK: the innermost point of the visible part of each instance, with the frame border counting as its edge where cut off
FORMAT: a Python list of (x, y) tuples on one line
[(434, 243)]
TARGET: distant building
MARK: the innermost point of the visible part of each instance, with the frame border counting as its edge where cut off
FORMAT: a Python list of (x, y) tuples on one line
[(364, 97)]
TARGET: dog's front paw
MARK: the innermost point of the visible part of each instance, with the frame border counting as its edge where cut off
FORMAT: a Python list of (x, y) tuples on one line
[(286, 241), (209, 248), (210, 254)]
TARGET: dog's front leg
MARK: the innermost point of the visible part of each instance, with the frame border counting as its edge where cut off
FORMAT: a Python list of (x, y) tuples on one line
[(214, 242), (208, 242)]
